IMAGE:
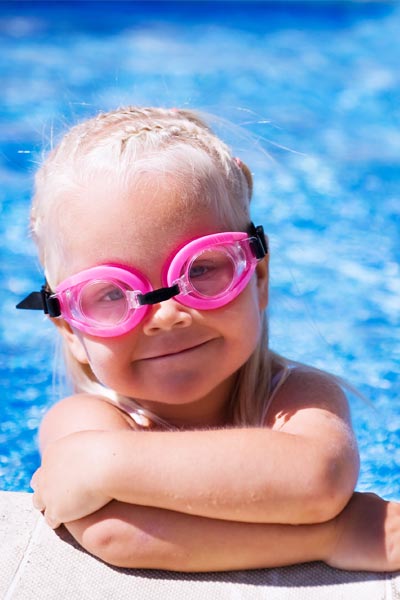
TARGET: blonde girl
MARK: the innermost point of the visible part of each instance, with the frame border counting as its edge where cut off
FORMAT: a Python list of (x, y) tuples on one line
[(187, 445)]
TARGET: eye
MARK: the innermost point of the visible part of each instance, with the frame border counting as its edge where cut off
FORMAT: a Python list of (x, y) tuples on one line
[(202, 269), (212, 272), (102, 293), (104, 302), (112, 295)]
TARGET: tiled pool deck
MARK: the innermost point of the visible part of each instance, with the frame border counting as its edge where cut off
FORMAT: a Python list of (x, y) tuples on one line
[(37, 563)]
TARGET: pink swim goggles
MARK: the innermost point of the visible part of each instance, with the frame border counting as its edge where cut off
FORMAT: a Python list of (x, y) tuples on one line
[(110, 300)]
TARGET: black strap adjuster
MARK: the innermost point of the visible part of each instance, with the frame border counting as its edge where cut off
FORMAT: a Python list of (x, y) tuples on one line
[(43, 300), (258, 242)]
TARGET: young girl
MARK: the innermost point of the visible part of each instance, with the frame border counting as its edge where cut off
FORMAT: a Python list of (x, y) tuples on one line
[(188, 445)]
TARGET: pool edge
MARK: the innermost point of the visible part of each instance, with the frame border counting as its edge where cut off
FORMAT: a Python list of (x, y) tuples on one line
[(36, 560)]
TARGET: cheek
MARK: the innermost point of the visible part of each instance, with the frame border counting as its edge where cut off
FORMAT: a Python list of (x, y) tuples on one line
[(105, 358), (242, 321), (249, 332), (247, 306), (251, 318)]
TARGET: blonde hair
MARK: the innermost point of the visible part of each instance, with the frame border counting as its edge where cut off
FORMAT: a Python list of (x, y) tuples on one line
[(123, 144)]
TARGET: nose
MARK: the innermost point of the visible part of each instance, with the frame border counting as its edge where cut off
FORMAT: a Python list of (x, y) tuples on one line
[(166, 316)]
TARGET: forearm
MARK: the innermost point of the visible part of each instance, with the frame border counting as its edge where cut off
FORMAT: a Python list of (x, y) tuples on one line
[(253, 475), (301, 469), (142, 537)]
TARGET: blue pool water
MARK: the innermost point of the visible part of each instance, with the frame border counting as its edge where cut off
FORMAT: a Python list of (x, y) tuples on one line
[(317, 85)]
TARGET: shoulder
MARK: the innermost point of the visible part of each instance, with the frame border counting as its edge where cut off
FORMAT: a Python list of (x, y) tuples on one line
[(306, 391), (81, 412), (81, 405)]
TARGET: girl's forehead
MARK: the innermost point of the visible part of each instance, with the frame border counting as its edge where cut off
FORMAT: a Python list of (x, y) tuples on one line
[(137, 225)]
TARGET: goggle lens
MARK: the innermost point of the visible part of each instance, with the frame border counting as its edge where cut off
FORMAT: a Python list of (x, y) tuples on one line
[(212, 272), (104, 302)]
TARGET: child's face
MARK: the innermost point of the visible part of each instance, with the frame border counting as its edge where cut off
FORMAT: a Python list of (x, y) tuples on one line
[(179, 362)]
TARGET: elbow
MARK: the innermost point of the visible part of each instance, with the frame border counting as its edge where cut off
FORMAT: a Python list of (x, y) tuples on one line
[(121, 545), (107, 541), (332, 487), (329, 501)]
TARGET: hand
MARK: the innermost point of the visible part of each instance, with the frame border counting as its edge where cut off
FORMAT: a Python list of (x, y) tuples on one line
[(367, 535), (69, 483)]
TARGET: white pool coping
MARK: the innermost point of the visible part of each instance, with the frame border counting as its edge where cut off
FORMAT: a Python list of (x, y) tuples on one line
[(37, 563)]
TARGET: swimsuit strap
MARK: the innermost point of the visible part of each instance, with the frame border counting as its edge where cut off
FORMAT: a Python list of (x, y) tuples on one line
[(139, 415)]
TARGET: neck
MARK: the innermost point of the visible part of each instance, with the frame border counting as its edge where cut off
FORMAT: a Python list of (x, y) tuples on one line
[(210, 411)]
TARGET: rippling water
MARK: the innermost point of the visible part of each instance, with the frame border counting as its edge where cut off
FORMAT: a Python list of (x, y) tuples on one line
[(316, 87)]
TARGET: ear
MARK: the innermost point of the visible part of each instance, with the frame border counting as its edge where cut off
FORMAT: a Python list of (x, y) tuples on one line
[(73, 341), (262, 273)]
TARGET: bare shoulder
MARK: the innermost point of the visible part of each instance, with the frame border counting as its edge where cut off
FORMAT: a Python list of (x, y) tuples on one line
[(308, 395), (81, 412)]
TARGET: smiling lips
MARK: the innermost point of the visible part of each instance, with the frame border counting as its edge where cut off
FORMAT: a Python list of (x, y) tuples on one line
[(175, 350)]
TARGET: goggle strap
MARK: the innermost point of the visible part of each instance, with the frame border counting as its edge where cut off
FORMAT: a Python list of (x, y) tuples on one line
[(159, 295), (258, 242), (43, 300)]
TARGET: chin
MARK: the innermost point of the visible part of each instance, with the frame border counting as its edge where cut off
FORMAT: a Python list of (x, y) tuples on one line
[(180, 392)]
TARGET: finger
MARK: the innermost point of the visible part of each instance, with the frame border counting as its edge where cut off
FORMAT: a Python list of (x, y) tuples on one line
[(37, 501), (51, 521), (35, 479)]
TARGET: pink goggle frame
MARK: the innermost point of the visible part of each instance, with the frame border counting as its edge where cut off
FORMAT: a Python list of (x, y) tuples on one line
[(110, 300)]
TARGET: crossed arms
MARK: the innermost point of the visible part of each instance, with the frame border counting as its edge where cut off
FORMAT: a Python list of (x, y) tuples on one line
[(212, 499)]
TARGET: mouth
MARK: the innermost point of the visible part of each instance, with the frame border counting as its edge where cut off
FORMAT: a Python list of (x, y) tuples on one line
[(176, 351)]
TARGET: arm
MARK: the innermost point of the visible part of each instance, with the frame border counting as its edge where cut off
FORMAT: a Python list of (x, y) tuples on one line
[(131, 536), (302, 470), (364, 537), (144, 537)]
